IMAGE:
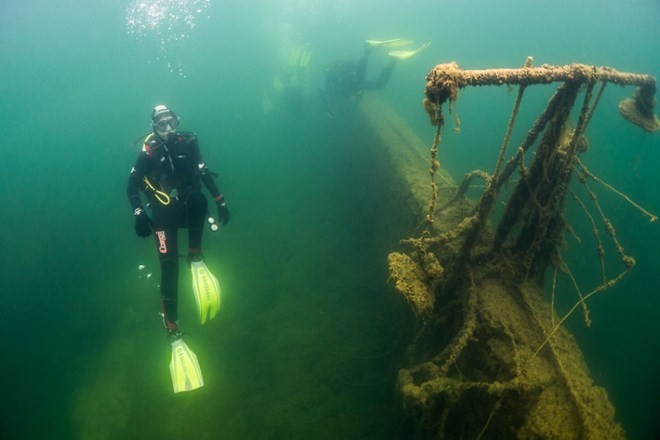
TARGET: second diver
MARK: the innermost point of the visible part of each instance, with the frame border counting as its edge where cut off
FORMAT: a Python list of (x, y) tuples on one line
[(343, 84)]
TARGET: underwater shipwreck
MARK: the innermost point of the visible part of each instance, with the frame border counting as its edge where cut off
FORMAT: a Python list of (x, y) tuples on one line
[(490, 356)]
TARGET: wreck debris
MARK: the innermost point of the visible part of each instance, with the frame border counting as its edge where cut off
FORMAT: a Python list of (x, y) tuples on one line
[(491, 359)]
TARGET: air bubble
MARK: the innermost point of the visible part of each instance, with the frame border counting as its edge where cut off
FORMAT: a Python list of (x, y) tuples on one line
[(166, 22)]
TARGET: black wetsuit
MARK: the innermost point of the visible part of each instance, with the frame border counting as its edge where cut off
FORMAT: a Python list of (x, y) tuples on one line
[(342, 84), (177, 169)]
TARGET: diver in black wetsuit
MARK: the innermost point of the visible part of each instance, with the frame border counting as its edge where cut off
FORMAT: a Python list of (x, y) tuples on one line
[(170, 171), (343, 83)]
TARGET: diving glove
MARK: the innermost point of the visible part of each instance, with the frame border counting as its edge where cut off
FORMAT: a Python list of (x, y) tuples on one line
[(143, 224), (223, 211)]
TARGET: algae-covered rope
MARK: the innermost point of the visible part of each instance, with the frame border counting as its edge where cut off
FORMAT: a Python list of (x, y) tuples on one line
[(435, 164), (599, 243), (587, 173), (600, 288)]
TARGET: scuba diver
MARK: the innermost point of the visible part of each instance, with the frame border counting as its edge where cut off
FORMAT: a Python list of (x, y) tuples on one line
[(170, 172), (289, 88), (343, 83)]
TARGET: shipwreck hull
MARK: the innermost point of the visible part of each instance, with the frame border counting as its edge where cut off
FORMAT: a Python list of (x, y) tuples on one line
[(485, 381)]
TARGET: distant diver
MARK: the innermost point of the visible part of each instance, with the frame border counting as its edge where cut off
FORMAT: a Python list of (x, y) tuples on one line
[(170, 171), (344, 82), (289, 89)]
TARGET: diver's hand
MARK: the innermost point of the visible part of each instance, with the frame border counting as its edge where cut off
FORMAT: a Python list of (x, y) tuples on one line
[(223, 211), (143, 224)]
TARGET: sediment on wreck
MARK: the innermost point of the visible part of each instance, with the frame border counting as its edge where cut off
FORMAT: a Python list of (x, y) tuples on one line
[(491, 358)]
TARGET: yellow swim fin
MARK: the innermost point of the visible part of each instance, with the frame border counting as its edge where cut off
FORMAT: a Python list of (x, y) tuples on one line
[(184, 368), (299, 57), (405, 54), (390, 44), (305, 57), (206, 289), (294, 56)]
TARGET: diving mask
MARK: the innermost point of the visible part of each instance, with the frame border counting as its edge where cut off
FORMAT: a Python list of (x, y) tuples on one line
[(166, 124)]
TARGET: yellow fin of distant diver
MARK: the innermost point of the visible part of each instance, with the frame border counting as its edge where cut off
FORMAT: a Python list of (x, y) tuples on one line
[(299, 57), (184, 368), (206, 289), (405, 54), (390, 44)]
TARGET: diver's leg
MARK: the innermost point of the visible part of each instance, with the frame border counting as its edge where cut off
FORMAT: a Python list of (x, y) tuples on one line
[(384, 77), (166, 246), (323, 93), (196, 209), (361, 71)]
